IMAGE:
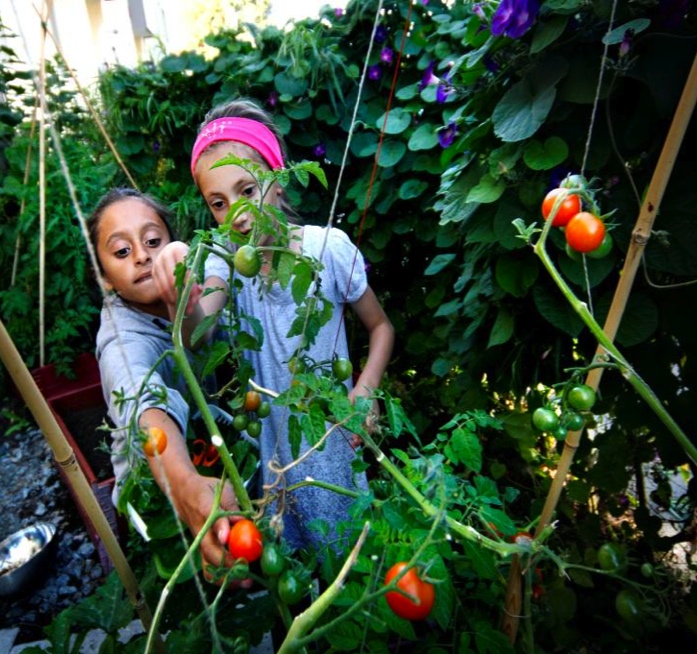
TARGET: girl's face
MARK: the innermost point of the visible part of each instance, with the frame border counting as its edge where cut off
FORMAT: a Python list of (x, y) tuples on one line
[(225, 185), (130, 236)]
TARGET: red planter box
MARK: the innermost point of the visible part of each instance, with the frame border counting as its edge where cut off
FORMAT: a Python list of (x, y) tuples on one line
[(79, 408)]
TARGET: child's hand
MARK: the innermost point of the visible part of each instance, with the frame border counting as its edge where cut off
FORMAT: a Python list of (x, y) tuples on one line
[(163, 273), (195, 506)]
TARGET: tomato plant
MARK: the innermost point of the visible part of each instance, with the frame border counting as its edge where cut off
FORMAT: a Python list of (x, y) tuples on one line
[(612, 557), (585, 232), (290, 590), (544, 419), (272, 560), (629, 605), (568, 208), (156, 441), (581, 397), (247, 261), (252, 401), (245, 540), (421, 594), (342, 369)]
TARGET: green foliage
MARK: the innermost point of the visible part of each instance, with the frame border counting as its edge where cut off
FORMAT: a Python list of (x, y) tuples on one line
[(483, 334)]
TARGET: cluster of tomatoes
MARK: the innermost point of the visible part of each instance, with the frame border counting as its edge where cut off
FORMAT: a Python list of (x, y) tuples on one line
[(576, 401), (584, 231), (253, 411)]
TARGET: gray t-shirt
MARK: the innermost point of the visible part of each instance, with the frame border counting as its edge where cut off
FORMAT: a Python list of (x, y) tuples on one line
[(129, 343), (343, 280)]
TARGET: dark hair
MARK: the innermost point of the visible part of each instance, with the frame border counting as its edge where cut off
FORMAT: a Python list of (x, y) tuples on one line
[(117, 194), (248, 108)]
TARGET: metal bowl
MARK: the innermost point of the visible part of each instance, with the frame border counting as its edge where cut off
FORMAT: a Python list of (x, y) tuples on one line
[(25, 557)]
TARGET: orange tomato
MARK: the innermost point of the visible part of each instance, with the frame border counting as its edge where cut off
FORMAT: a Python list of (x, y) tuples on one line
[(156, 441)]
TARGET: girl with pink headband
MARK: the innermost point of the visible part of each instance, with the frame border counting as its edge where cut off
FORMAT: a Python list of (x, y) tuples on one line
[(242, 129)]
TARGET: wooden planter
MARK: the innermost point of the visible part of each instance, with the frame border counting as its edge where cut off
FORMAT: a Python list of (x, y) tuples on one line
[(79, 408)]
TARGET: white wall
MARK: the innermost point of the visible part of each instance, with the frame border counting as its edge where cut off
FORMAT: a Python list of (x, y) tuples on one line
[(93, 33)]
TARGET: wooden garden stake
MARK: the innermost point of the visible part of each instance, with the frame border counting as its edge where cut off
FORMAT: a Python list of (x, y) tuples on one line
[(640, 236), (65, 458)]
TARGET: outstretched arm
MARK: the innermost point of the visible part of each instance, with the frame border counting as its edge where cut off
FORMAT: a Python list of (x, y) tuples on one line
[(190, 493), (381, 340)]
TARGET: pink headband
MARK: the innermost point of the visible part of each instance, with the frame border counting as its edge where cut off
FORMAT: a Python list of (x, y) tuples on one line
[(242, 130)]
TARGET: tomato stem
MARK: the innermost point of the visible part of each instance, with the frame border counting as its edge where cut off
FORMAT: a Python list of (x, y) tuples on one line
[(641, 387), (195, 389)]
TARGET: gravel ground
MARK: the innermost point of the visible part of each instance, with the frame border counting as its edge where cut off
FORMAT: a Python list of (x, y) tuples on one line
[(31, 490)]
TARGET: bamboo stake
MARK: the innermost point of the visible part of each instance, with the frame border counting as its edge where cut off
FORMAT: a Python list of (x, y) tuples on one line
[(640, 236), (65, 458)]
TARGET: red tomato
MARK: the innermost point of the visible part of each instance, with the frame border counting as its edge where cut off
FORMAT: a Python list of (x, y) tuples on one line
[(585, 232), (252, 401), (421, 591), (568, 208), (245, 541), (156, 441)]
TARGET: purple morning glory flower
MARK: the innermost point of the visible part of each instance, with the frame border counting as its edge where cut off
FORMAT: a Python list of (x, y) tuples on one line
[(272, 99), (375, 72), (386, 55), (445, 88), (156, 146), (478, 11), (447, 135), (626, 45), (338, 12), (319, 150), (513, 18), (380, 34), (428, 77)]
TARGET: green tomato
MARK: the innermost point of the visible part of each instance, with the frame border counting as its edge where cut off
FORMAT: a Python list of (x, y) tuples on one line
[(581, 397), (254, 428), (240, 421), (289, 588), (272, 561), (342, 369), (264, 410), (572, 421), (560, 433), (612, 558), (629, 606), (544, 419), (247, 261), (296, 366)]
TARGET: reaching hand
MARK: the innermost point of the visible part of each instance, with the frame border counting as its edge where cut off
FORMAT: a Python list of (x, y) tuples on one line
[(194, 504), (163, 272)]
